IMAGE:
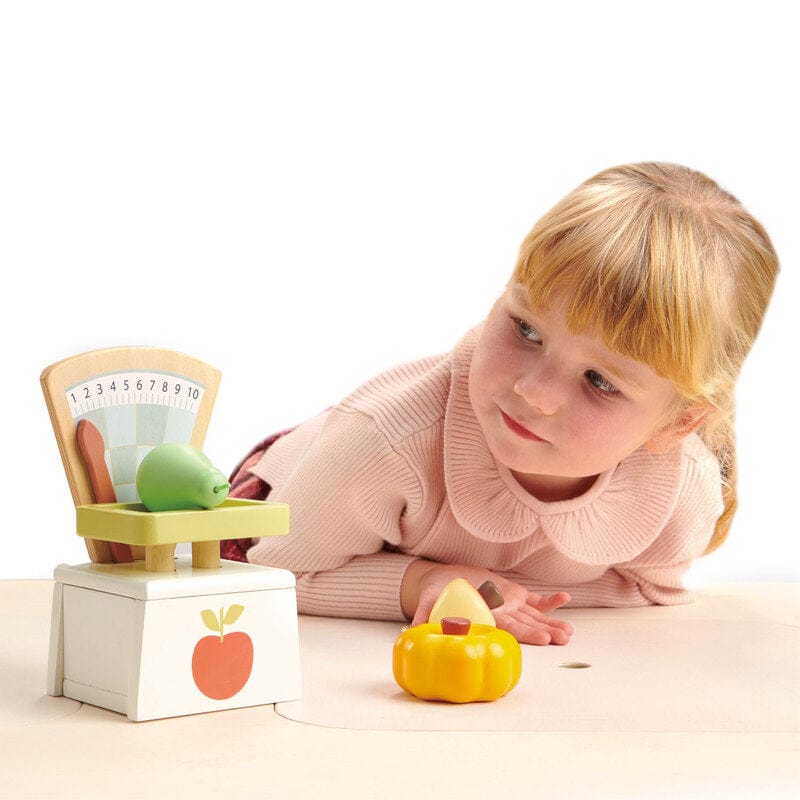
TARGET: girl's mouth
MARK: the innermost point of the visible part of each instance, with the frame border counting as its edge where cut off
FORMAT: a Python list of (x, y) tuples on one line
[(520, 430)]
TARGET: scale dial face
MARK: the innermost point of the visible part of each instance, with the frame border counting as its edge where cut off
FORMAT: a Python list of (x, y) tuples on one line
[(134, 387), (137, 397), (135, 410)]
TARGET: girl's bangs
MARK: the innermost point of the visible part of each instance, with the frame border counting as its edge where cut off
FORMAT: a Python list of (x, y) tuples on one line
[(626, 294)]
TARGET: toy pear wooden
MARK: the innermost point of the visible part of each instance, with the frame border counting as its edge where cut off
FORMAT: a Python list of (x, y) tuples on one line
[(460, 598), (177, 476)]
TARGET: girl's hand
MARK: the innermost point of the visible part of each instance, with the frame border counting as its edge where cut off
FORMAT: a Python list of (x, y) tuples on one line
[(523, 613)]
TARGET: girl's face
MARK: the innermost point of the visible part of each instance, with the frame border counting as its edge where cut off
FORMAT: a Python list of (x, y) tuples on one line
[(558, 408)]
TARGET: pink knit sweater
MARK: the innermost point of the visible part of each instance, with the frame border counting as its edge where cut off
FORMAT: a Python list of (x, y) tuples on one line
[(400, 470)]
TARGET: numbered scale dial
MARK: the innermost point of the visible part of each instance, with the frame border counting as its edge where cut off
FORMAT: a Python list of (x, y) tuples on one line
[(134, 388), (138, 398), (135, 410)]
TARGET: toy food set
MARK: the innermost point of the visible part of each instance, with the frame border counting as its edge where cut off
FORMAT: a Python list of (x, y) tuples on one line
[(138, 630)]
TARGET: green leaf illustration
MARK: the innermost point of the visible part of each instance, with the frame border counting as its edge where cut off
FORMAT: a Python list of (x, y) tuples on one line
[(211, 621), (232, 614)]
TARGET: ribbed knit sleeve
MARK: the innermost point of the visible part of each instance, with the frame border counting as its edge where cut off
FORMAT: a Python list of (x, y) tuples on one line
[(613, 589), (348, 490), (366, 587)]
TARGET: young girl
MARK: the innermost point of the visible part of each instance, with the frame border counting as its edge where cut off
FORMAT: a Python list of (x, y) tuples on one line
[(576, 447)]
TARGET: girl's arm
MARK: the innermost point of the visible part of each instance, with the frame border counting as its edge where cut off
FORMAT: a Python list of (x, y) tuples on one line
[(347, 490)]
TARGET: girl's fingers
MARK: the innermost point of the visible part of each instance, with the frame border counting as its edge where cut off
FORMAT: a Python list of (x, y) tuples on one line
[(524, 633), (559, 624), (536, 612), (529, 627), (560, 636), (545, 603)]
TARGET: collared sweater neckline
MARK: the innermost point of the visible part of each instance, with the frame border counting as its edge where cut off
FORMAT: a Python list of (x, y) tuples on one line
[(617, 518)]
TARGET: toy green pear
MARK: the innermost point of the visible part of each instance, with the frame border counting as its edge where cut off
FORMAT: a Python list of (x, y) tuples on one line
[(176, 476)]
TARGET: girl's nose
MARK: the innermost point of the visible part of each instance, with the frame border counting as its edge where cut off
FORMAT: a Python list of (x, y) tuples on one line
[(541, 390)]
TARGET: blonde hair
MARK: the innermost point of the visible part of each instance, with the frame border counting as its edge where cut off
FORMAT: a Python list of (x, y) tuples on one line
[(669, 269)]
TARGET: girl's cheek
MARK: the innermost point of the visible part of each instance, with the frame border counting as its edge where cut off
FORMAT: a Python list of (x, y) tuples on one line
[(587, 426), (502, 350), (499, 367), (492, 357)]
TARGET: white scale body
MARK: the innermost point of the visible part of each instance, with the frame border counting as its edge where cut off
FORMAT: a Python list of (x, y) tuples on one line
[(123, 639)]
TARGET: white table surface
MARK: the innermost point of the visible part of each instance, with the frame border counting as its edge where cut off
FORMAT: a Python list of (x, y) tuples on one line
[(59, 748)]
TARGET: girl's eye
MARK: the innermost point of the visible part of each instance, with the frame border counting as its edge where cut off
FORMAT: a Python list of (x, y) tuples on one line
[(600, 384), (527, 332)]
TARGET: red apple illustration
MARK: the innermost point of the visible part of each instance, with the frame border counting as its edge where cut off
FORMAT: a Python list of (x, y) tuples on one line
[(221, 664)]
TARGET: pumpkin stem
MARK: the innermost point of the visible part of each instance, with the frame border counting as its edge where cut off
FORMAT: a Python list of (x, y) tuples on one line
[(456, 626)]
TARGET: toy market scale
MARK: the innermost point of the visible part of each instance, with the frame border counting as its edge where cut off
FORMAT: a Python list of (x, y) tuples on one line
[(130, 630)]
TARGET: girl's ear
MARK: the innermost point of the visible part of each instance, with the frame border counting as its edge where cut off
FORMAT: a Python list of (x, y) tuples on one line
[(686, 422)]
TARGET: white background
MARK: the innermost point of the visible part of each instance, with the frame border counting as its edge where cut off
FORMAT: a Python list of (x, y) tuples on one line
[(303, 194)]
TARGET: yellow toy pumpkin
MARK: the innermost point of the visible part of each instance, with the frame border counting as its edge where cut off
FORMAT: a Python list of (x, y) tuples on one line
[(456, 661)]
